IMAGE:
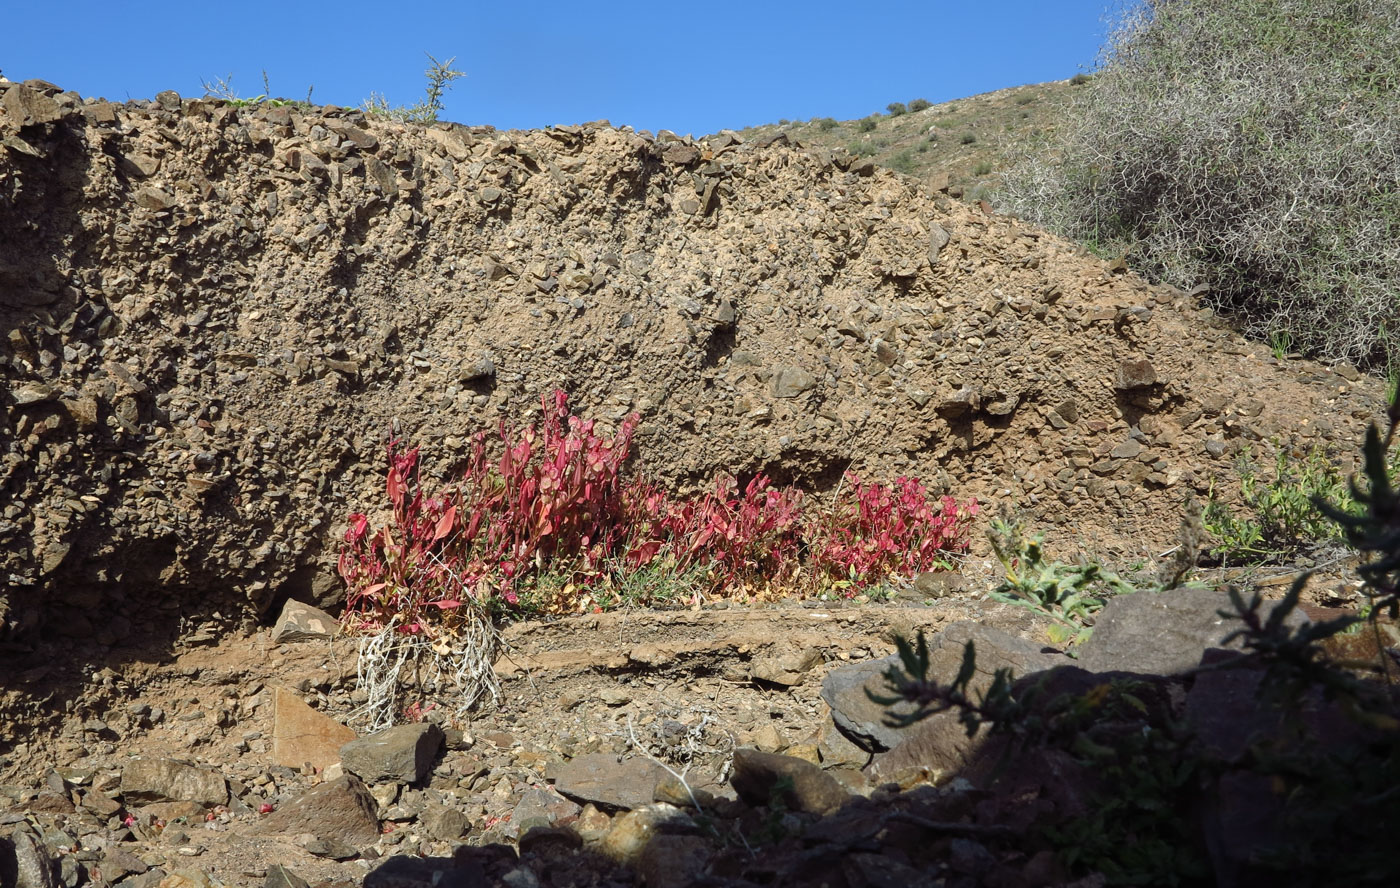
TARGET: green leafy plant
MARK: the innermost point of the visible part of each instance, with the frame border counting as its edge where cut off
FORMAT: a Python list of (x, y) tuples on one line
[(1282, 517), (920, 105), (968, 138), (825, 124), (897, 108), (222, 88), (440, 76), (1069, 594), (865, 125)]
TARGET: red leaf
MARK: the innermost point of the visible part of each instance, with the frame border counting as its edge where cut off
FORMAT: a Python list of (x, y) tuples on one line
[(395, 485), (445, 523), (446, 605)]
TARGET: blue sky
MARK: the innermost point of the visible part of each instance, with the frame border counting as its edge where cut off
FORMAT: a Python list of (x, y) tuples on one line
[(690, 67)]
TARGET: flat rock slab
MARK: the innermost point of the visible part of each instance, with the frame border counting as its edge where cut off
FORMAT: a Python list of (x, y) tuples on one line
[(863, 720), (167, 780), (342, 810), (605, 779), (302, 622), (1161, 633), (301, 735), (403, 753)]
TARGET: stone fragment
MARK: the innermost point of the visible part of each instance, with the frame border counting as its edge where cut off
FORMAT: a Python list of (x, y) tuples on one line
[(279, 876), (789, 669), (31, 393), (790, 382), (117, 864), (1159, 633), (28, 107), (331, 849), (302, 622), (25, 862), (670, 861), (809, 789), (403, 753), (538, 803), (481, 368), (1135, 373), (167, 780), (188, 878), (844, 689), (681, 154), (605, 779), (155, 199), (633, 831), (301, 735), (938, 238), (342, 810), (1129, 449), (442, 822)]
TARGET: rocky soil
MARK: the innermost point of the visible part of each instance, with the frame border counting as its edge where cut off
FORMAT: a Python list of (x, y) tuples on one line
[(215, 317)]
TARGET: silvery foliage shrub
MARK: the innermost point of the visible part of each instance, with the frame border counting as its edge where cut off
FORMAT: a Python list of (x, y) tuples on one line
[(1251, 146)]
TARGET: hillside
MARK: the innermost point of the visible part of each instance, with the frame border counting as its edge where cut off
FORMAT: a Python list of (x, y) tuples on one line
[(962, 145), (216, 317)]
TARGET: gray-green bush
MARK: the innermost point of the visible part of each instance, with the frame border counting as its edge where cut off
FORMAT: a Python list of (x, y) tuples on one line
[(1250, 146)]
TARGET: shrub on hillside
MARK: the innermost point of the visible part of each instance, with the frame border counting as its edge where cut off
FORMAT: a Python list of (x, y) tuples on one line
[(920, 105), (1252, 147), (897, 108), (866, 124)]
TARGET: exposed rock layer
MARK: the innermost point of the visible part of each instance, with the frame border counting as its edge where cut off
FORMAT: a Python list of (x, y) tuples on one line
[(215, 316)]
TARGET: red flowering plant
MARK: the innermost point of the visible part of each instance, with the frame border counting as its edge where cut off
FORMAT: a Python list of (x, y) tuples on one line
[(873, 532), (545, 512)]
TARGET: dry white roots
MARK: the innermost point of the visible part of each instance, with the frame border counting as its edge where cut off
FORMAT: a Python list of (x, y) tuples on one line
[(397, 669)]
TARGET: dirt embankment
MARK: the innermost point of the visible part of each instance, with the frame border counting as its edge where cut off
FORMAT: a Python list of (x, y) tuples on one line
[(214, 317)]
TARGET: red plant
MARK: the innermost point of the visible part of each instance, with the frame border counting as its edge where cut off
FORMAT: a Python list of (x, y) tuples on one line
[(554, 500), (553, 497), (747, 538), (873, 531)]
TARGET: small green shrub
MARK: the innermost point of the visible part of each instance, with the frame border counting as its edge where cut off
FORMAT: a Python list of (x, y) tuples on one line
[(920, 105), (896, 109), (983, 168), (903, 162), (1281, 518), (1069, 594), (222, 88), (439, 75), (825, 124), (865, 125), (1080, 79), (968, 138)]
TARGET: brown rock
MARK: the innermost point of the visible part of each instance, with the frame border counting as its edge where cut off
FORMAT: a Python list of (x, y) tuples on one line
[(302, 622), (605, 779), (342, 810), (167, 780), (758, 775), (28, 107), (301, 735), (1135, 373)]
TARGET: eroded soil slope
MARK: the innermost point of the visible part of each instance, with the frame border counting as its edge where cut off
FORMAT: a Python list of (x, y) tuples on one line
[(215, 316)]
